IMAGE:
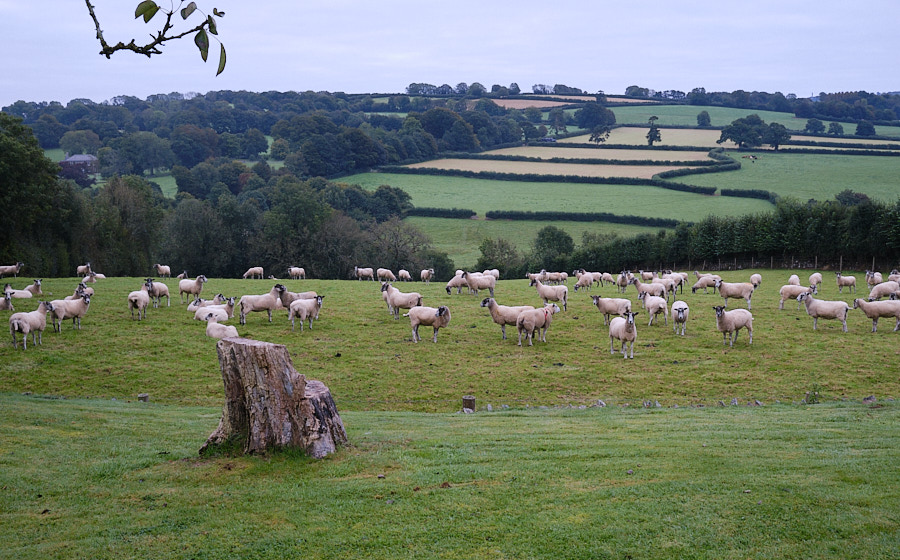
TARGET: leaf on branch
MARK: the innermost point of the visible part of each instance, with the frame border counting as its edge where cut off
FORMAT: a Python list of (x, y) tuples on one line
[(188, 10), (217, 13), (147, 9), (212, 25), (221, 59), (202, 42)]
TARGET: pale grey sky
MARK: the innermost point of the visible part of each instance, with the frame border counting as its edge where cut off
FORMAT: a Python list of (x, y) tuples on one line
[(48, 51)]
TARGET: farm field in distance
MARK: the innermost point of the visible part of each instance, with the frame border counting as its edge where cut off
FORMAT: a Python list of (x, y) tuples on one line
[(547, 152), (546, 168)]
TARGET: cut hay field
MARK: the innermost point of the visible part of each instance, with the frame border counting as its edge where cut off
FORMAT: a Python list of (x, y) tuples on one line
[(547, 168), (545, 152), (637, 136), (806, 176), (461, 238), (525, 103), (482, 195)]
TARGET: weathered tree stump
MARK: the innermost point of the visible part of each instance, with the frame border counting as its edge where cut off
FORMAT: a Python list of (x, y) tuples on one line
[(269, 405)]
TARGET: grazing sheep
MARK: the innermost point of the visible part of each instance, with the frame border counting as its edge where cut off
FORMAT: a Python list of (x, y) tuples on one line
[(669, 285), (361, 273), (11, 269), (552, 293), (816, 308), (139, 299), (735, 290), (789, 291), (198, 302), (157, 291), (403, 275), (536, 321), (287, 297), (585, 280), (222, 312), (17, 294), (69, 309), (655, 305), (876, 309), (756, 279), (884, 289), (794, 280), (482, 282), (6, 303), (215, 330), (385, 275), (398, 300), (297, 273), (623, 329), (191, 287), (33, 322), (611, 306), (503, 314), (264, 302), (305, 309), (254, 272), (730, 322), (83, 270), (163, 271), (680, 312), (700, 275), (428, 316), (426, 275), (457, 282), (842, 281), (704, 282), (815, 279)]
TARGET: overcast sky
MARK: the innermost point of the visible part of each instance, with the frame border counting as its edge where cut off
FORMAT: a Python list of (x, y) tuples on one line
[(49, 52)]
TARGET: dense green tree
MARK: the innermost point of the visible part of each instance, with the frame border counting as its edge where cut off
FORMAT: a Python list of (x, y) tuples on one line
[(653, 135), (814, 126), (637, 91), (594, 114), (253, 143), (502, 255), (48, 130), (703, 119), (600, 134), (775, 135), (80, 142), (746, 132), (557, 121), (460, 138), (533, 114), (835, 129), (145, 151), (865, 128), (552, 247), (192, 144)]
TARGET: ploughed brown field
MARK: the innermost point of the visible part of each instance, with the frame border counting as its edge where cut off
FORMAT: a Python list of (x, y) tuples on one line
[(549, 152), (540, 168)]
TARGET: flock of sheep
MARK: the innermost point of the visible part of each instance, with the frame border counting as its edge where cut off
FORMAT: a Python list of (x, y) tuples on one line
[(653, 291)]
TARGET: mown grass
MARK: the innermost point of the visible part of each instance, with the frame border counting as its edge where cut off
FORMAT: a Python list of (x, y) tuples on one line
[(107, 479), (482, 195), (369, 362)]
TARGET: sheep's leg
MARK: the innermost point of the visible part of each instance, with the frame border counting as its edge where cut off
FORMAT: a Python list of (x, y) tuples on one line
[(844, 322), (631, 349), (750, 331), (815, 322), (875, 324), (269, 311), (415, 332), (503, 330), (291, 315), (434, 339)]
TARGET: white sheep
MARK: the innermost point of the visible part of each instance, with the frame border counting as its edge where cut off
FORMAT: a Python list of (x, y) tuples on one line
[(735, 290), (730, 322), (842, 281), (457, 282), (426, 274), (704, 282), (264, 302), (428, 316), (385, 275), (611, 306), (215, 330), (361, 273), (894, 276), (219, 299), (680, 312), (80, 290), (606, 278), (6, 303), (669, 284), (33, 322), (504, 314), (623, 280), (873, 278), (648, 288), (884, 289), (69, 309), (480, 282), (876, 309), (11, 269), (83, 270), (305, 309), (139, 299), (183, 275), (794, 280), (815, 279), (297, 273), (35, 287), (536, 321), (585, 280), (403, 275), (222, 312), (623, 329), (816, 308), (16, 294), (157, 291), (163, 271), (756, 279), (288, 297), (789, 291), (655, 305), (492, 272), (254, 272), (398, 300), (191, 287), (552, 293)]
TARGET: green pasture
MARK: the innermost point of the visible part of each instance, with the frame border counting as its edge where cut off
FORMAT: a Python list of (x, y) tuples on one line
[(806, 176), (460, 238), (108, 479), (482, 195)]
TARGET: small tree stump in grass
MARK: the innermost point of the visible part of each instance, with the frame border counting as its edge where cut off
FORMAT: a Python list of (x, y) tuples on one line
[(469, 402), (268, 405)]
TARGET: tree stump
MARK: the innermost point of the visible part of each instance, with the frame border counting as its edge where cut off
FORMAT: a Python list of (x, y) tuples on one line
[(269, 405)]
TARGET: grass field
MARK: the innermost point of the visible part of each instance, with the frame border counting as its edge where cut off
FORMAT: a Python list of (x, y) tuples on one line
[(547, 168), (482, 195)]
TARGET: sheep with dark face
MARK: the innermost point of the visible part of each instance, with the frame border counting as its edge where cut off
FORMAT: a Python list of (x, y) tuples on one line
[(163, 271), (624, 330), (536, 321), (816, 308), (845, 281), (191, 287), (264, 302), (33, 322), (611, 306), (503, 314), (428, 316), (680, 312), (363, 273), (730, 322), (398, 300), (11, 269)]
